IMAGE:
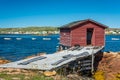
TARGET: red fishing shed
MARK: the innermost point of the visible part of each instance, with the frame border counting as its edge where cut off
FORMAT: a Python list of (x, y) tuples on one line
[(83, 33)]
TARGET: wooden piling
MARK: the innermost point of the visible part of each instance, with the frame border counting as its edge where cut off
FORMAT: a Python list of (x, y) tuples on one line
[(92, 65)]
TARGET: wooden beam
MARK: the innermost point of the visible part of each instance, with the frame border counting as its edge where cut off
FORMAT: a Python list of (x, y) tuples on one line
[(92, 70)]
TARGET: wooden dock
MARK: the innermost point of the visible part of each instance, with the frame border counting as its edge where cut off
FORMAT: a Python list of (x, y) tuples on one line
[(58, 59)]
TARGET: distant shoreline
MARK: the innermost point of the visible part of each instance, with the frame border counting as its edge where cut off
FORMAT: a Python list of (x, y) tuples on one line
[(46, 30), (31, 34), (46, 34)]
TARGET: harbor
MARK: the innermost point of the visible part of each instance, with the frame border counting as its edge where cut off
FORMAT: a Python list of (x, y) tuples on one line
[(59, 40), (79, 51), (78, 40)]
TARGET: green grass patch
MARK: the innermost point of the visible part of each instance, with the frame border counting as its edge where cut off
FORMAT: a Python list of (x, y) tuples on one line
[(24, 77)]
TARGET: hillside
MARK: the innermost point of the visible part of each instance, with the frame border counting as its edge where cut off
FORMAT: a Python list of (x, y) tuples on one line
[(44, 30), (33, 28)]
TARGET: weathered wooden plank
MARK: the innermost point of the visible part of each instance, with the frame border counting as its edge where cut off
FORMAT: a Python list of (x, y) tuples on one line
[(86, 64), (85, 68), (86, 61)]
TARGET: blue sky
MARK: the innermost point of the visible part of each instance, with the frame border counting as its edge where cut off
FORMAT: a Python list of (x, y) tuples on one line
[(23, 13)]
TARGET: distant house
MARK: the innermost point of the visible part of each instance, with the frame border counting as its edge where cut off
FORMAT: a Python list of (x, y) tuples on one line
[(83, 33)]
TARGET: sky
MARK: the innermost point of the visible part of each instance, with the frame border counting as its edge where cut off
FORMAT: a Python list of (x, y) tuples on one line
[(24, 13)]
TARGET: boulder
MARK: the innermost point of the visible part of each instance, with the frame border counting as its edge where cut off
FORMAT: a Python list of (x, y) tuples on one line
[(2, 61), (49, 73), (74, 77)]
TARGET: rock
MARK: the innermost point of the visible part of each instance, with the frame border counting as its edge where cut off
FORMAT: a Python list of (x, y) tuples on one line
[(40, 54), (2, 79), (16, 71), (74, 77), (11, 70), (41, 72), (49, 73), (57, 77), (27, 78), (4, 61), (30, 57), (24, 71), (15, 78)]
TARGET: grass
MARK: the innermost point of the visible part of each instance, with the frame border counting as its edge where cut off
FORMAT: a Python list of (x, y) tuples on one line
[(5, 76)]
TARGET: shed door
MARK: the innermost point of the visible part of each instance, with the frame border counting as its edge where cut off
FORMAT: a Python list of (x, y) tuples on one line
[(89, 36)]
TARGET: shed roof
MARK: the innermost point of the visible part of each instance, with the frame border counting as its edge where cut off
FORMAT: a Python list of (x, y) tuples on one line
[(75, 23)]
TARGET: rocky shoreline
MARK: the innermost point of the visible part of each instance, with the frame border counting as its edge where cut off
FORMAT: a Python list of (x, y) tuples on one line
[(107, 68)]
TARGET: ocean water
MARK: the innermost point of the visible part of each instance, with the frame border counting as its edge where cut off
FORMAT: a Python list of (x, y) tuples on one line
[(112, 43), (16, 47)]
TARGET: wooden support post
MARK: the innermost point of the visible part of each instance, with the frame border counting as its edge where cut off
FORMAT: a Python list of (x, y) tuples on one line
[(92, 70)]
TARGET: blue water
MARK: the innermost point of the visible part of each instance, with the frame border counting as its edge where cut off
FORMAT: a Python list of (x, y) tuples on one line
[(112, 43), (15, 49)]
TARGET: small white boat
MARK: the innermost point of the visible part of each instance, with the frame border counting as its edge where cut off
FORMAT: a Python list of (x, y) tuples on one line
[(57, 46), (18, 38), (58, 38), (33, 38), (7, 38), (46, 38), (115, 39)]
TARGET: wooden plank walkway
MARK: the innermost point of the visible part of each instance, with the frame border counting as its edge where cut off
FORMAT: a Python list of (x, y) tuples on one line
[(53, 61)]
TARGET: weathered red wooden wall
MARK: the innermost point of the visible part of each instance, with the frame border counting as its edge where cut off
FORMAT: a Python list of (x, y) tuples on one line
[(79, 34), (65, 37), (99, 36)]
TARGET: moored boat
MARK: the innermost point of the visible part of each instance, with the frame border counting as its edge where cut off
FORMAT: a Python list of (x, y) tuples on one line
[(46, 38), (18, 38), (7, 38), (33, 38)]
